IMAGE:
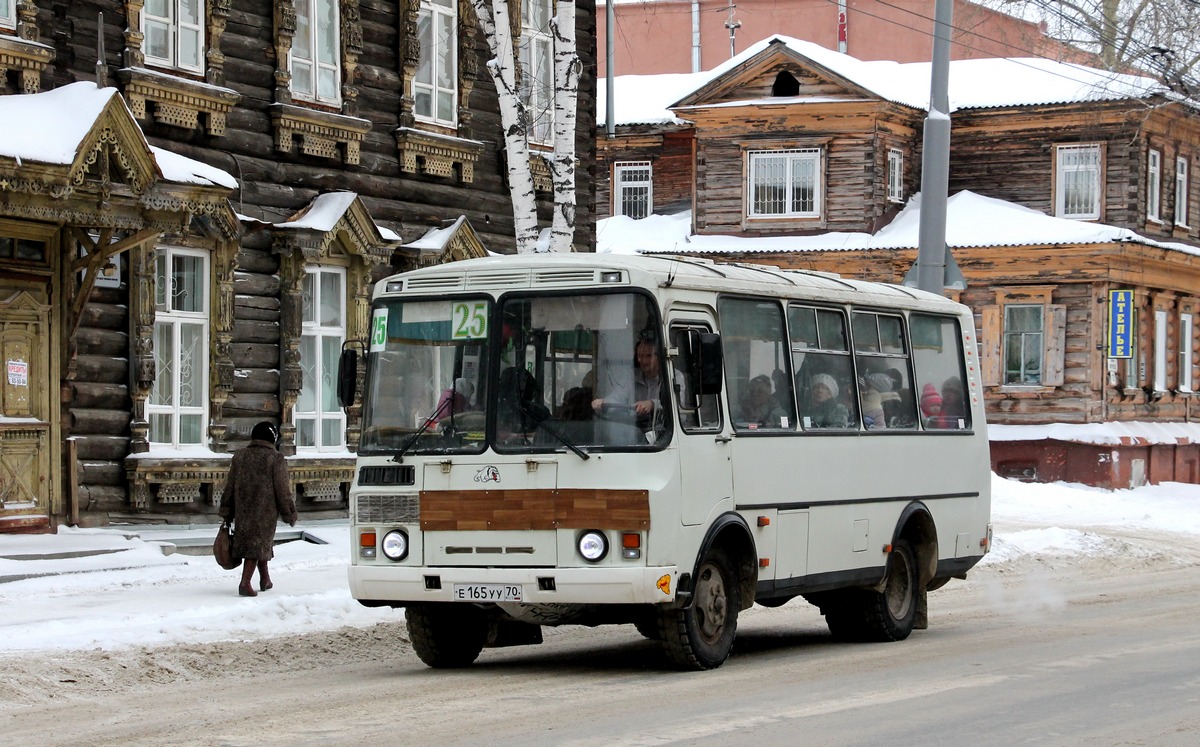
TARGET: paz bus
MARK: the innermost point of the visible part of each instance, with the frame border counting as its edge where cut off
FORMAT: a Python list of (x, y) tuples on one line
[(661, 441)]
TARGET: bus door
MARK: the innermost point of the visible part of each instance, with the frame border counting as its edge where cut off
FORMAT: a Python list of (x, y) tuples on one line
[(706, 477)]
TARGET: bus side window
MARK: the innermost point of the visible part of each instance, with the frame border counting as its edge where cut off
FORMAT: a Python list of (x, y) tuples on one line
[(695, 413), (821, 359), (756, 365), (937, 355)]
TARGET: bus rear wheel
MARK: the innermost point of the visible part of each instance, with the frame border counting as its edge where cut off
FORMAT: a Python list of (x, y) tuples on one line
[(887, 615), (701, 635), (446, 636)]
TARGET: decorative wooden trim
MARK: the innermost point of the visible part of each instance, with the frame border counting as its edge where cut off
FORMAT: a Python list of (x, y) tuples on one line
[(468, 66), (29, 57), (216, 16), (483, 510), (181, 481), (321, 133), (351, 38), (353, 241), (539, 169), (178, 101), (423, 152)]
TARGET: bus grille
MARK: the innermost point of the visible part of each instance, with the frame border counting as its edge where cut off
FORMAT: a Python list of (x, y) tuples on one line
[(388, 509), (437, 282), (399, 474), (497, 279)]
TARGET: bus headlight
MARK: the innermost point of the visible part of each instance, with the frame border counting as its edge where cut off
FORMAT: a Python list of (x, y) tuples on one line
[(395, 545), (593, 545)]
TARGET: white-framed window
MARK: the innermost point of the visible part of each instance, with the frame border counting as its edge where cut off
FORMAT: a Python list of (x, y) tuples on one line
[(1181, 191), (178, 403), (8, 14), (634, 191), (1185, 352), (315, 55), (785, 183), (537, 68), (1077, 186), (1160, 350), (1024, 346), (320, 422), (1153, 185), (895, 175), (435, 87), (174, 34)]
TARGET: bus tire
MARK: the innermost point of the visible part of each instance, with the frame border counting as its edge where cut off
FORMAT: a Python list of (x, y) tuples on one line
[(446, 636), (701, 635), (879, 616)]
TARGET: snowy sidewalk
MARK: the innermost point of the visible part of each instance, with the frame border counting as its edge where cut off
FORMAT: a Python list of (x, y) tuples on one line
[(120, 586)]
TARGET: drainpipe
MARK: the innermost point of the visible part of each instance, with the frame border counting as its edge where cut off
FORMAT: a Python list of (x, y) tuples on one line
[(695, 36)]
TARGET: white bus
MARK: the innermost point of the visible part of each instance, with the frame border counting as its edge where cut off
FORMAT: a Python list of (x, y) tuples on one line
[(663, 442)]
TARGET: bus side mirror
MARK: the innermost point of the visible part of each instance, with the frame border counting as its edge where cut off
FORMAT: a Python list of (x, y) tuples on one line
[(347, 377), (703, 350)]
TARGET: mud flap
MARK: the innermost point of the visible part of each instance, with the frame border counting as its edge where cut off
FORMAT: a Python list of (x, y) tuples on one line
[(921, 621)]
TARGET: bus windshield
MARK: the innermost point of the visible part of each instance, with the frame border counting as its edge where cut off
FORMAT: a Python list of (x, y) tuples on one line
[(426, 370), (533, 373)]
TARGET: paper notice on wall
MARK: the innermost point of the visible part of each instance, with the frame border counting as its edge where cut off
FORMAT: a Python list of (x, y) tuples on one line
[(18, 373)]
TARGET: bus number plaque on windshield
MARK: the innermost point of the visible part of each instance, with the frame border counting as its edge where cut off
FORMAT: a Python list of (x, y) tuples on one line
[(470, 320)]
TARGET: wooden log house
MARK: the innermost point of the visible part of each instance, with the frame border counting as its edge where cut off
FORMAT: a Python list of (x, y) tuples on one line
[(1120, 154), (147, 322)]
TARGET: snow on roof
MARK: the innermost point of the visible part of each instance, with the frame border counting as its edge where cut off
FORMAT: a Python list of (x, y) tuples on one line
[(49, 127), (435, 239), (972, 220), (322, 213), (1100, 434), (974, 84), (177, 168)]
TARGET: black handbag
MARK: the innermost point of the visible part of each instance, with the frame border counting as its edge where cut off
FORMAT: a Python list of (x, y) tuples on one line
[(223, 548)]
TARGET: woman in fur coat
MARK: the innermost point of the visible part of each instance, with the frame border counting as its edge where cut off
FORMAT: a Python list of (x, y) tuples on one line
[(257, 494)]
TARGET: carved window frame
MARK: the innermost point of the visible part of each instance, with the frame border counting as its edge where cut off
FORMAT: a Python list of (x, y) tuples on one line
[(177, 318), (179, 96), (315, 328), (324, 128), (425, 147)]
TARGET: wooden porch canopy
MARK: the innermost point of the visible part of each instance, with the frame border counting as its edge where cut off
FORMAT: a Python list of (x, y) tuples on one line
[(76, 157)]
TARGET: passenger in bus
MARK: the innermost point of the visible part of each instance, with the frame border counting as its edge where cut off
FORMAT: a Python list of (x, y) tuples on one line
[(824, 410), (456, 399), (759, 408), (577, 404), (872, 410), (646, 398), (945, 411)]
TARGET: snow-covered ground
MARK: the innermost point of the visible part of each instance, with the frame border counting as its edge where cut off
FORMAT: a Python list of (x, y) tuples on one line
[(134, 595)]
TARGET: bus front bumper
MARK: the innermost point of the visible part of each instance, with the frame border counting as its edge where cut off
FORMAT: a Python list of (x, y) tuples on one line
[(404, 584)]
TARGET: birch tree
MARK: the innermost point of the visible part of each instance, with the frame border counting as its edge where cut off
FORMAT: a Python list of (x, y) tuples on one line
[(512, 86), (1159, 37)]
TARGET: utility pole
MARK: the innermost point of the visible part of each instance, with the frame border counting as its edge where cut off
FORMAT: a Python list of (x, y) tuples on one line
[(733, 26), (610, 127), (935, 269)]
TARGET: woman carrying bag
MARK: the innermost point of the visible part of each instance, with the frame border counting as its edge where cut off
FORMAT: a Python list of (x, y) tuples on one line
[(257, 494)]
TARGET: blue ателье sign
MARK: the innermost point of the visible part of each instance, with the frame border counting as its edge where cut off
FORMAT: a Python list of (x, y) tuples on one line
[(1120, 324)]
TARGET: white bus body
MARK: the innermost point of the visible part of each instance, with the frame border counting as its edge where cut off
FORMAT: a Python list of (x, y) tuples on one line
[(506, 480)]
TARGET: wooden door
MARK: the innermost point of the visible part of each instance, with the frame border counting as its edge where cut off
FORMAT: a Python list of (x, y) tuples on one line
[(28, 448)]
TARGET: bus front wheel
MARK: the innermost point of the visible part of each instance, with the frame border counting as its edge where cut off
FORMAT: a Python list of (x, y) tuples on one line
[(701, 635), (446, 636), (886, 615)]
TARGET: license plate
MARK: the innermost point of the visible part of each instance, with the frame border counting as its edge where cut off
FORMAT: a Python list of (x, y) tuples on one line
[(487, 593)]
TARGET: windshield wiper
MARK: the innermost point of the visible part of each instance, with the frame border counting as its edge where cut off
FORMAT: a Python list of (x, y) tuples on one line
[(524, 406), (399, 458)]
